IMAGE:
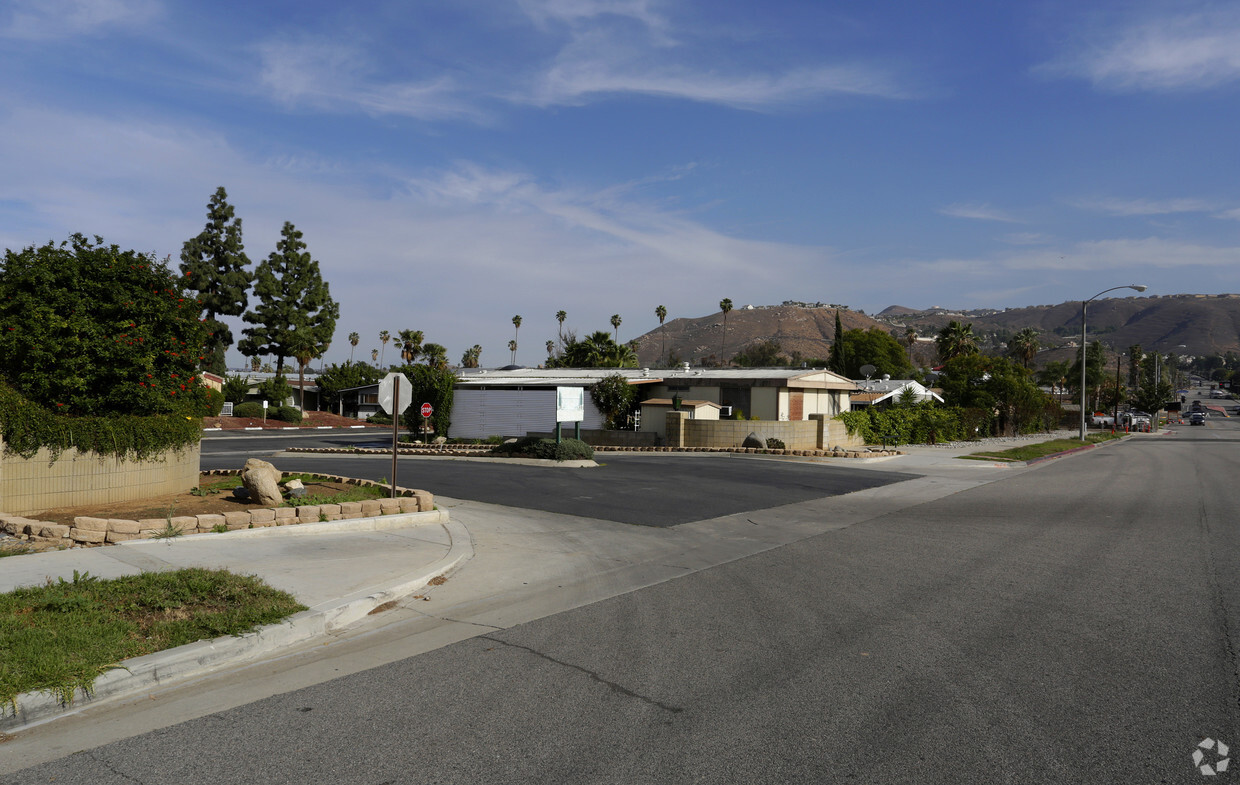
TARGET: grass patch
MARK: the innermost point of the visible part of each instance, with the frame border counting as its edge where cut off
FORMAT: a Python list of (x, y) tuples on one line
[(1027, 452), (59, 637), (357, 493)]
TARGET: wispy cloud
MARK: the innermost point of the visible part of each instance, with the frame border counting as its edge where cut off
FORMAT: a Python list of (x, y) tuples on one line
[(1134, 207), (1150, 254), (980, 212), (331, 76), (52, 19), (1189, 51)]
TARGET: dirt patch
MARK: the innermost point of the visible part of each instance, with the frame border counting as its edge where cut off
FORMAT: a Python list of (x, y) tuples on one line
[(184, 503)]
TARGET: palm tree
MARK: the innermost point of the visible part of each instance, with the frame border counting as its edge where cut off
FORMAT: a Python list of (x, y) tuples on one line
[(516, 323), (661, 312), (354, 338), (374, 356), (615, 323), (470, 358), (550, 348), (435, 354), (411, 345), (725, 305), (512, 347), (1024, 345), (560, 316), (384, 336), (256, 362), (954, 340), (303, 350)]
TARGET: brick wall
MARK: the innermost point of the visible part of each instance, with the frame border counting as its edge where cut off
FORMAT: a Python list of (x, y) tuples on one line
[(817, 433)]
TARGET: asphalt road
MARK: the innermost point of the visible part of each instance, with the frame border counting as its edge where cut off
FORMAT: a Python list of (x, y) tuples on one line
[(1075, 622), (649, 489)]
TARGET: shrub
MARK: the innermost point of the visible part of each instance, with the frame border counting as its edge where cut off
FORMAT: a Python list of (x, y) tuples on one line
[(775, 444), (382, 418), (215, 402), (289, 414), (546, 449), (248, 409)]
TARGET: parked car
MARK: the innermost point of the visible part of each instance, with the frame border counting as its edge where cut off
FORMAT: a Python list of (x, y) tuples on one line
[(1196, 418)]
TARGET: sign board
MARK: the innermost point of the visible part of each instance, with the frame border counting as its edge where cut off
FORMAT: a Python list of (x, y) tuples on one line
[(570, 404), (426, 410), (387, 388)]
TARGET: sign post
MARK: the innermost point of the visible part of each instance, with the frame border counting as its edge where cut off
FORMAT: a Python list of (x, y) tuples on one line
[(390, 400), (570, 406)]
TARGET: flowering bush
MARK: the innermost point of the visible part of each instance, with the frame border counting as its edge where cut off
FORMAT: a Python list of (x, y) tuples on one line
[(89, 329)]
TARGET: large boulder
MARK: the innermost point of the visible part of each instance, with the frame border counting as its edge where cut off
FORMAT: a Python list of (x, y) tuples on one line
[(754, 440), (262, 480)]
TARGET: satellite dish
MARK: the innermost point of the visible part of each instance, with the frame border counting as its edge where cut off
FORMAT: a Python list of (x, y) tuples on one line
[(868, 370)]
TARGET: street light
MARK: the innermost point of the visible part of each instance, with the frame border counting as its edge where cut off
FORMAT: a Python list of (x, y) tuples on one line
[(1084, 304)]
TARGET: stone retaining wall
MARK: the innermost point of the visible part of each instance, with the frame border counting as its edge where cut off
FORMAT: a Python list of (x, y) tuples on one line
[(88, 530)]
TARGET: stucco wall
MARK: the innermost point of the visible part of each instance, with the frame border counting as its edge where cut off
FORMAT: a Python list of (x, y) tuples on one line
[(817, 433), (31, 485)]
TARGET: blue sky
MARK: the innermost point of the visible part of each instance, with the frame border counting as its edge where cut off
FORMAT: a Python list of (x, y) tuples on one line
[(455, 163)]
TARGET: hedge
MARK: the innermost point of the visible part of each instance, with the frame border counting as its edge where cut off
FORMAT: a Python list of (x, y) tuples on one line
[(547, 449)]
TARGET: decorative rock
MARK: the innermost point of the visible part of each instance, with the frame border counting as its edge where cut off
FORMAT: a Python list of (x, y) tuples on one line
[(239, 519), (87, 535), (241, 492), (426, 502), (85, 523), (293, 485), (371, 508), (408, 503), (115, 536), (261, 479), (262, 517), (753, 440), (308, 513), (329, 510), (351, 508), (389, 506), (53, 530), (286, 514), (123, 527), (188, 524), (297, 493)]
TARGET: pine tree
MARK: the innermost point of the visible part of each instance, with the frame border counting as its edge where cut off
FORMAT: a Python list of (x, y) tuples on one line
[(295, 305), (214, 264)]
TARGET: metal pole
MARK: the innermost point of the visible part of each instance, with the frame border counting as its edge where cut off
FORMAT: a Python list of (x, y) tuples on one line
[(395, 428), (1083, 307), (1115, 418)]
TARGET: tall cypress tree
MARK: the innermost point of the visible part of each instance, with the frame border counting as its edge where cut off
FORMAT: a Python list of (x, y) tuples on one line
[(295, 308), (214, 264), (837, 361)]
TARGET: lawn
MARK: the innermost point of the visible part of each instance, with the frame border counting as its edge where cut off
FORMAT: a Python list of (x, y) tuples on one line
[(1027, 452), (60, 636)]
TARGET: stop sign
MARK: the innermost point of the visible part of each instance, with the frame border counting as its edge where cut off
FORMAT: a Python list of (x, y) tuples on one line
[(427, 410)]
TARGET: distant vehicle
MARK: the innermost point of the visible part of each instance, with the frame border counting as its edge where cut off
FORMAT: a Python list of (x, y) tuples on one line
[(1196, 418), (1101, 420), (1196, 406)]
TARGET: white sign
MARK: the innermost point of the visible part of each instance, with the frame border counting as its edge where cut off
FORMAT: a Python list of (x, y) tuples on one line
[(387, 388), (570, 404)]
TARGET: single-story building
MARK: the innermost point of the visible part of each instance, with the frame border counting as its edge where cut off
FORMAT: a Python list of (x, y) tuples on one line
[(513, 402), (886, 392)]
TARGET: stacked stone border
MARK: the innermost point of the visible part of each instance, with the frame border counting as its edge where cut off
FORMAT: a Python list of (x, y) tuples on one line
[(484, 451), (88, 531)]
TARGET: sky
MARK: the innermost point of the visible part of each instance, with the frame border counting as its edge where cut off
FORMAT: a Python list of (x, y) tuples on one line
[(455, 163)]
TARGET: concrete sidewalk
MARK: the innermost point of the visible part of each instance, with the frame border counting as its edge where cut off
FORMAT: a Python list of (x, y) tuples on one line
[(341, 570)]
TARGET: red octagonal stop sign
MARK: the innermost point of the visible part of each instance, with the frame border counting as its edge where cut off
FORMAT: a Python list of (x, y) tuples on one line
[(427, 410)]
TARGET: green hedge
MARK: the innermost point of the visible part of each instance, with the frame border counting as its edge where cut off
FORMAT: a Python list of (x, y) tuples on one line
[(922, 424), (215, 402), (26, 427), (248, 409), (547, 449), (289, 414)]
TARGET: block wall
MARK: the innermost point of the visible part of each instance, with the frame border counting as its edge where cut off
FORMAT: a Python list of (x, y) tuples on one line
[(31, 485)]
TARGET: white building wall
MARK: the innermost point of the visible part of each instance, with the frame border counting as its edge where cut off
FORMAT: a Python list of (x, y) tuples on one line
[(508, 412)]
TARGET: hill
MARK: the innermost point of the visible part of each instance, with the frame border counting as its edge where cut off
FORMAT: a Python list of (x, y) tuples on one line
[(807, 330), (1186, 324)]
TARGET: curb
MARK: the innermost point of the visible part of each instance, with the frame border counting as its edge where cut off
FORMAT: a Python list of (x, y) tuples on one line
[(139, 674)]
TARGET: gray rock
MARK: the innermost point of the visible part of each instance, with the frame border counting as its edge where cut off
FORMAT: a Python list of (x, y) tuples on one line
[(262, 480), (241, 492), (754, 440), (441, 440), (293, 485), (297, 492)]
